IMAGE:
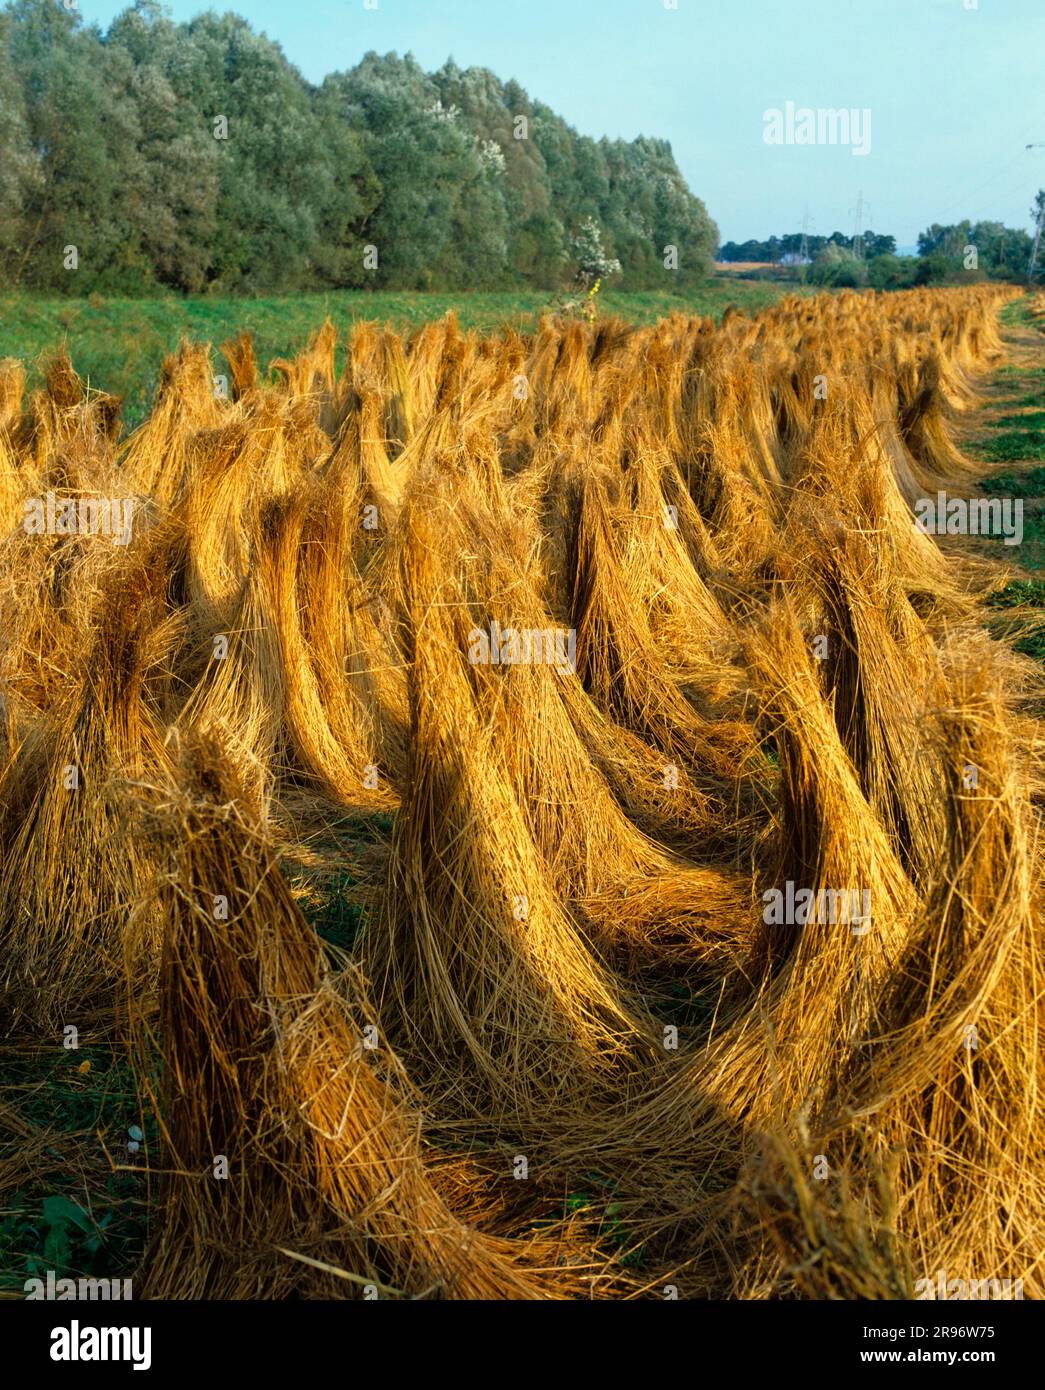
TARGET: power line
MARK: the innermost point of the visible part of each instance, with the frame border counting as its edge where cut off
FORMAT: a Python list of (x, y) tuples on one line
[(966, 198)]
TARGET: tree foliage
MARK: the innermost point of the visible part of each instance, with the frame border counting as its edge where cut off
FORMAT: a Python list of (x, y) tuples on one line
[(1001, 251), (789, 247), (195, 157)]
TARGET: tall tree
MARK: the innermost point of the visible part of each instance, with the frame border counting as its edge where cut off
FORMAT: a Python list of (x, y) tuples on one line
[(195, 156), (84, 130), (20, 173)]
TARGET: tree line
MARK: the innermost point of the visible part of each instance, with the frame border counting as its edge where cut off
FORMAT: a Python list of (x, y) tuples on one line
[(984, 249), (777, 249), (157, 156)]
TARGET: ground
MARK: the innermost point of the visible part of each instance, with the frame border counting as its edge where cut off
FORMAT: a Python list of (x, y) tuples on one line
[(1007, 435)]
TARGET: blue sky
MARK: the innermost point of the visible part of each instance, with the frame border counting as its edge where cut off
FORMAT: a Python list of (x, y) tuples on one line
[(955, 93)]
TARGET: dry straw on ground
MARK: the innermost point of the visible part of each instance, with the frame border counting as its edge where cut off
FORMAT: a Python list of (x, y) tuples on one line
[(567, 1054)]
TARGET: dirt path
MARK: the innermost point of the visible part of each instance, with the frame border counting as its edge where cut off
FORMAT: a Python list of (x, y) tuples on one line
[(1006, 437)]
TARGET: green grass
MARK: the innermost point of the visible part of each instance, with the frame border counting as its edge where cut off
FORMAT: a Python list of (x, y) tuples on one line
[(66, 1208), (1012, 446), (1031, 420), (1019, 593), (119, 344), (330, 900), (1025, 375), (1019, 439), (1025, 594), (1016, 314), (1029, 382), (1030, 483), (611, 1230)]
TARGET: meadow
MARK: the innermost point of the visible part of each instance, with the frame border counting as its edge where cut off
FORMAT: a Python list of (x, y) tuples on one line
[(119, 344), (356, 942)]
